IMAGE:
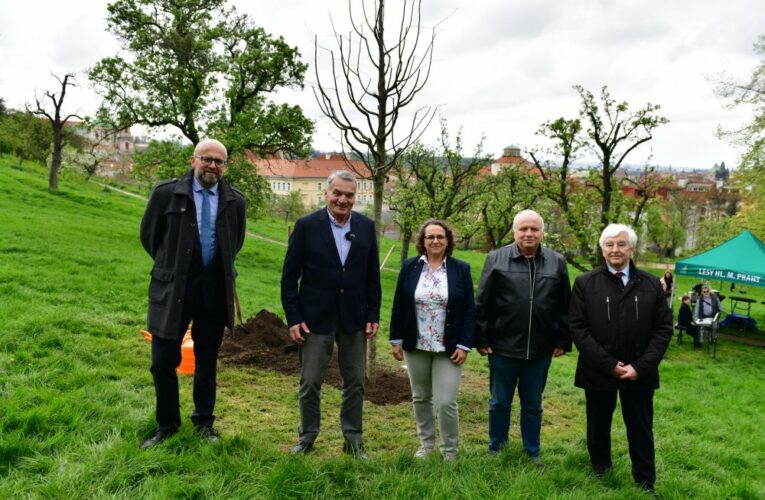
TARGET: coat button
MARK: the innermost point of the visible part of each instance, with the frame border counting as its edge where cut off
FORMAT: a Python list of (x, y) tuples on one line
[(341, 290), (343, 269), (180, 300)]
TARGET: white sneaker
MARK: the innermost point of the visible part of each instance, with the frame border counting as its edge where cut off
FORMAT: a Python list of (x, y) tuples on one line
[(423, 452)]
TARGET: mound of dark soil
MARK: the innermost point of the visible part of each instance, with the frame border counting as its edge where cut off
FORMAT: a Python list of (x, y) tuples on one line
[(263, 341)]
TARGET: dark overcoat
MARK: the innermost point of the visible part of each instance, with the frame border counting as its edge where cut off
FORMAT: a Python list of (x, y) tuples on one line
[(321, 291), (611, 324), (169, 233), (460, 305)]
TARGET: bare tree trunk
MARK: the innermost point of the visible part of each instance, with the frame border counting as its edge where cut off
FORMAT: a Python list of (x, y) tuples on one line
[(55, 163), (406, 238), (57, 124)]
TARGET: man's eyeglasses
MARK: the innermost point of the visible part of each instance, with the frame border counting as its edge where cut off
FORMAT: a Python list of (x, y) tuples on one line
[(432, 237), (207, 160)]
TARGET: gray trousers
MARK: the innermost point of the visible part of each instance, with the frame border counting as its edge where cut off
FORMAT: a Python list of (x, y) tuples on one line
[(315, 355), (435, 380)]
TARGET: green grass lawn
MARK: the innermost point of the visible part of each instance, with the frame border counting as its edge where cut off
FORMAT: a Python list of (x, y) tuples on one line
[(76, 397)]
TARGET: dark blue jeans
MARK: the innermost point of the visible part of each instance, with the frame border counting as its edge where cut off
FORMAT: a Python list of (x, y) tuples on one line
[(530, 376)]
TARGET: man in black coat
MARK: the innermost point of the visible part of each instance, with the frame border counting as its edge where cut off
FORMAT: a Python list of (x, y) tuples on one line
[(331, 294), (193, 228), (621, 326), (521, 308)]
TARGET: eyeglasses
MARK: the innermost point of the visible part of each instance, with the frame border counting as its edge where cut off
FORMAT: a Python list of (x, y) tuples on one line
[(432, 237), (208, 159)]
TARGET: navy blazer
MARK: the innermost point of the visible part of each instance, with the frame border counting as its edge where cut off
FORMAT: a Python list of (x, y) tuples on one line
[(329, 292), (460, 306)]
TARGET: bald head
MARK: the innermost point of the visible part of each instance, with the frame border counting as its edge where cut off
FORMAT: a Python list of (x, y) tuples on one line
[(209, 162), (207, 143), (528, 230)]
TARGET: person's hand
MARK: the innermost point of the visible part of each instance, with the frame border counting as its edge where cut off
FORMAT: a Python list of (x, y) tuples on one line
[(618, 370), (628, 373), (558, 352), (371, 329), (459, 356), (483, 351), (298, 331), (397, 352)]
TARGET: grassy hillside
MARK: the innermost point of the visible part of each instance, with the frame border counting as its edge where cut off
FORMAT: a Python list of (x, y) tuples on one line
[(76, 397)]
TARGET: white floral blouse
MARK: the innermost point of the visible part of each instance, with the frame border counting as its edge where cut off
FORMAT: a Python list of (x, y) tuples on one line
[(430, 299)]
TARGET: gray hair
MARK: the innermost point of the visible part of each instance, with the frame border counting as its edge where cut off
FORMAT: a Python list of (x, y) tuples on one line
[(614, 230), (527, 212), (342, 174)]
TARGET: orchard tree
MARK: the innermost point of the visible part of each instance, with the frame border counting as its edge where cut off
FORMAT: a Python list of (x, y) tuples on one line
[(749, 93), (513, 189), (202, 69), (26, 136), (437, 183), (57, 119), (666, 224), (610, 131), (290, 206), (376, 72)]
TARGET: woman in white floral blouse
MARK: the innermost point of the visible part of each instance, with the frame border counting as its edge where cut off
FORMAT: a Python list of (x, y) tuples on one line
[(432, 326)]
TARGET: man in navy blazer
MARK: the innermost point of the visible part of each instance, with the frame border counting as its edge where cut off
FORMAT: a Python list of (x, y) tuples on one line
[(331, 294)]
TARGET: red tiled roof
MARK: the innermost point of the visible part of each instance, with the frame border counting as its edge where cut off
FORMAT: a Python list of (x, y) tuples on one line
[(318, 168), (512, 160)]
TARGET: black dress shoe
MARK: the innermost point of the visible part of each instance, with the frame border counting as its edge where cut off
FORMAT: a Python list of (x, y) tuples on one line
[(301, 447), (600, 470), (157, 438), (208, 433), (356, 449)]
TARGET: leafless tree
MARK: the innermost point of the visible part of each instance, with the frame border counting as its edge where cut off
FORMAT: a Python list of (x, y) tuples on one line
[(56, 122), (375, 76), (374, 79)]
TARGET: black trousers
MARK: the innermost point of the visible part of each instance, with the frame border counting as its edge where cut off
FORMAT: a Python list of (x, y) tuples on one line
[(637, 412), (207, 333)]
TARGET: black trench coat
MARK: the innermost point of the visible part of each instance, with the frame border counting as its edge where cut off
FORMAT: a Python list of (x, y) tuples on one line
[(168, 233)]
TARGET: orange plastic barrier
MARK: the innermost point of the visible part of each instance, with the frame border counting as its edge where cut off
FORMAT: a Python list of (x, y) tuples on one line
[(187, 352)]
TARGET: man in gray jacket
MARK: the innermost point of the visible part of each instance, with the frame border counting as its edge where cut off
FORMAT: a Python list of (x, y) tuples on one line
[(193, 228), (521, 323)]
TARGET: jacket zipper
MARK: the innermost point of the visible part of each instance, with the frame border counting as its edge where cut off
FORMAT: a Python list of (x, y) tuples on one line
[(637, 316), (532, 286), (608, 307)]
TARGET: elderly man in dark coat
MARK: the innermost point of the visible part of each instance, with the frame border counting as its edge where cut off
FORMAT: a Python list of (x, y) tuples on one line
[(193, 228), (621, 326)]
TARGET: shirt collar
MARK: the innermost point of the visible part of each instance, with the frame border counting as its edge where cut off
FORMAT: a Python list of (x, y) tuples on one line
[(334, 221), (625, 271), (197, 187), (424, 258)]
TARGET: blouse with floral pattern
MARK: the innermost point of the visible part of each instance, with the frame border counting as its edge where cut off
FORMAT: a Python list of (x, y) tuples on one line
[(430, 299)]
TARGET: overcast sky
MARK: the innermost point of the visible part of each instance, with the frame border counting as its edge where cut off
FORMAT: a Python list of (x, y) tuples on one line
[(501, 67)]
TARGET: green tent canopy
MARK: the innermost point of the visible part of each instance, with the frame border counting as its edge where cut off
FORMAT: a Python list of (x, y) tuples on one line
[(740, 260)]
